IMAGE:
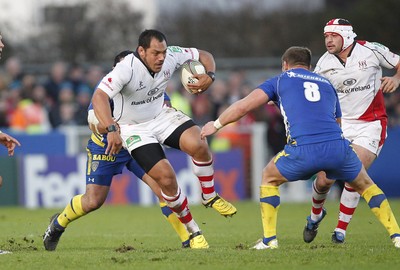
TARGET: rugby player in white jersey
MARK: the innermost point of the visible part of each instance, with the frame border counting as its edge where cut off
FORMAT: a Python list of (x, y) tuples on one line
[(100, 171), (354, 68), (141, 79)]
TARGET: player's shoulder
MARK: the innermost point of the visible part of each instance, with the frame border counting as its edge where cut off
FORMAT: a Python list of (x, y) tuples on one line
[(305, 74), (129, 60), (270, 83), (175, 49), (372, 45), (177, 55), (325, 59), (127, 63)]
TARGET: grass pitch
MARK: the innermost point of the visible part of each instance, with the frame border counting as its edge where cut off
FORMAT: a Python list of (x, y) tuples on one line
[(134, 237)]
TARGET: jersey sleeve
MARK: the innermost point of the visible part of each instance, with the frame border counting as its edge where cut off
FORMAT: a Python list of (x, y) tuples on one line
[(269, 88), (386, 58), (114, 81), (134, 167), (181, 54)]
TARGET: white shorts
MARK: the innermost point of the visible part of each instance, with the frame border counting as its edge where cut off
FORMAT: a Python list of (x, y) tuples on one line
[(370, 135), (156, 130)]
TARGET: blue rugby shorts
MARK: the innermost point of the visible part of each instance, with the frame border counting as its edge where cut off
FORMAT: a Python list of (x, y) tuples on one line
[(336, 158), (100, 168)]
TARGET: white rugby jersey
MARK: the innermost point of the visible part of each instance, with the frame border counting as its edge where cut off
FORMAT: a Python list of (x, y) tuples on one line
[(358, 81), (138, 96)]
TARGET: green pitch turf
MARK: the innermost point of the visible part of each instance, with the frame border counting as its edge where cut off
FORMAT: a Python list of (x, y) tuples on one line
[(133, 237)]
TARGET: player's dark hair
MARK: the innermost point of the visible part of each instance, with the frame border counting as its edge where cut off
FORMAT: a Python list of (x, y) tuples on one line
[(120, 56), (147, 35), (295, 56)]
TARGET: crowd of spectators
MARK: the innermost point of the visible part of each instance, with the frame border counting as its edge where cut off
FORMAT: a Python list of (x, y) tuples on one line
[(35, 103), (38, 103)]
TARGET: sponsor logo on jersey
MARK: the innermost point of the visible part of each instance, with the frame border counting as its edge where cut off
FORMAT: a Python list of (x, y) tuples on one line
[(149, 99), (333, 72), (153, 91), (167, 75), (377, 44), (103, 157), (354, 89), (362, 64), (292, 74), (176, 49), (141, 86), (349, 82), (132, 140)]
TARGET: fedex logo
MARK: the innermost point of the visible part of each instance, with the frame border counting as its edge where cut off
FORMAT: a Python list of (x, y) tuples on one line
[(52, 181)]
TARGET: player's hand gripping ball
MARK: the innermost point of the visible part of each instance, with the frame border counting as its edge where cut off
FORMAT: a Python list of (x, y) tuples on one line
[(188, 69)]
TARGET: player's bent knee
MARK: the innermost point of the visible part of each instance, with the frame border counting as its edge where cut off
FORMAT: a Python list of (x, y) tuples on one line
[(201, 153), (93, 200), (93, 204), (272, 176), (323, 186), (322, 183), (362, 182)]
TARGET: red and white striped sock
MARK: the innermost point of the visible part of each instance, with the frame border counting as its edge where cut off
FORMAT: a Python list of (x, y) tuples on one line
[(348, 204), (179, 205), (205, 172), (318, 200)]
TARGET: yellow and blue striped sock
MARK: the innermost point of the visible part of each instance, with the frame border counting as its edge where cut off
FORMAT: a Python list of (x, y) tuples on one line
[(71, 212), (379, 205), (269, 203)]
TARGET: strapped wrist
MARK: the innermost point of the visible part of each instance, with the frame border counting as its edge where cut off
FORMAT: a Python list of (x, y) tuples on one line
[(217, 124)]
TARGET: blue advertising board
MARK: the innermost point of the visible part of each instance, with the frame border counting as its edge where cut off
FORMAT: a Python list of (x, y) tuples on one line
[(385, 171), (51, 181), (52, 143)]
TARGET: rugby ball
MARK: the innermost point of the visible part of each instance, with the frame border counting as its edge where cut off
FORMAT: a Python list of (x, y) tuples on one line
[(188, 69)]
